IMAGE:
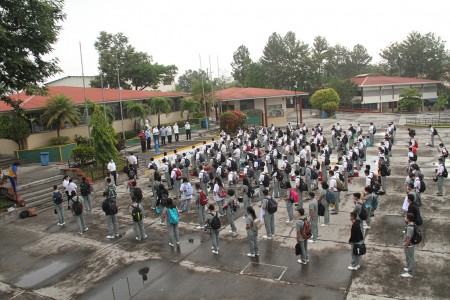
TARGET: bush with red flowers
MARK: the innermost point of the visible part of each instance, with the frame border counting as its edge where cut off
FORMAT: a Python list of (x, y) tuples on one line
[(230, 121)]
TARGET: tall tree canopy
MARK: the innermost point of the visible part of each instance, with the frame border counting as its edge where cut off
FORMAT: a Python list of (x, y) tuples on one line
[(103, 137), (187, 80), (241, 63), (27, 31), (137, 70), (60, 110), (419, 55)]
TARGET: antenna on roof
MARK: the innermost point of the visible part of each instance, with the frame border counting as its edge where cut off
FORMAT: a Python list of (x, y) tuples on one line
[(85, 99)]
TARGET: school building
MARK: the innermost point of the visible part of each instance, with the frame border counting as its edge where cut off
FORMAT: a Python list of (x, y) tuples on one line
[(268, 105), (112, 98), (382, 93)]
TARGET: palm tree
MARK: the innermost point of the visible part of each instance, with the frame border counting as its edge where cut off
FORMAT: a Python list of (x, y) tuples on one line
[(137, 110), (160, 106), (190, 105), (60, 109)]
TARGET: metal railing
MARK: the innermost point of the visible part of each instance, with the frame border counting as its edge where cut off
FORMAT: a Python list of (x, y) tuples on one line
[(428, 121)]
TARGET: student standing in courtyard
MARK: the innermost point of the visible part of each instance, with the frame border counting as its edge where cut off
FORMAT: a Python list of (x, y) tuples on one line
[(57, 197), (356, 238), (252, 232)]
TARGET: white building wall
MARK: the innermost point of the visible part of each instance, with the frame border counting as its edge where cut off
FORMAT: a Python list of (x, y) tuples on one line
[(392, 93)]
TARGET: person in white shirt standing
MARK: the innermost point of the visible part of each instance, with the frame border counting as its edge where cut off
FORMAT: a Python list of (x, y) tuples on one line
[(112, 170), (431, 129), (371, 133), (187, 126), (333, 188), (440, 177), (176, 131)]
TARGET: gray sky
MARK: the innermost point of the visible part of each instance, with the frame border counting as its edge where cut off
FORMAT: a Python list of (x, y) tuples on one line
[(177, 31)]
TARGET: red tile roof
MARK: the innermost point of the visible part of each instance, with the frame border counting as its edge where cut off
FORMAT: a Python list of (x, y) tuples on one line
[(253, 93), (77, 95), (373, 80)]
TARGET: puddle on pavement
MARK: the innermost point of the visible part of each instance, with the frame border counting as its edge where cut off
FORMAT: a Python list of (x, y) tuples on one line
[(51, 271), (134, 279)]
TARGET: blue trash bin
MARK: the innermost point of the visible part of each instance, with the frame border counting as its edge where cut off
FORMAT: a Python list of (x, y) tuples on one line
[(324, 115), (45, 157), (205, 123)]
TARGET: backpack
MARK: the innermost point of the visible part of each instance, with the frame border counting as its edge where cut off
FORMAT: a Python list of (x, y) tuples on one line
[(344, 140), (329, 197), (414, 158), (256, 225), (313, 147), (354, 156), (445, 173), (293, 196), (249, 191), (85, 188), (250, 173), (163, 201), (388, 171), (272, 206), (222, 192), (306, 232), (131, 174), (137, 192), (327, 160), (303, 187), (201, 159), (112, 192), (57, 197), (215, 222), (234, 166), (222, 173), (111, 206), (153, 166), (423, 187), (136, 213), (374, 130), (173, 216), (417, 236), (222, 158), (266, 180), (314, 174), (340, 185), (187, 190), (374, 202), (178, 174), (187, 162), (363, 213), (77, 207), (205, 177), (435, 131), (321, 209), (203, 199)]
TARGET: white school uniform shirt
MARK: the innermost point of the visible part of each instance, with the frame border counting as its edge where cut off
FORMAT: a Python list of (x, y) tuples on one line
[(204, 148), (261, 178), (111, 167), (173, 174), (371, 129), (229, 162), (322, 158), (237, 153), (197, 156), (303, 153), (187, 126), (314, 163), (333, 133), (166, 168), (218, 155), (223, 148), (417, 184), (333, 183), (175, 129), (368, 179), (231, 176), (344, 165), (219, 171), (71, 187), (440, 169), (431, 130)]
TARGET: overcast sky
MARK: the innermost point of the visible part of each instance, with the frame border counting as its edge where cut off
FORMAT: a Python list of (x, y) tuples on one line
[(178, 31)]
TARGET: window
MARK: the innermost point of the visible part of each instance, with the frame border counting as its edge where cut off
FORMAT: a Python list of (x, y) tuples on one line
[(275, 110), (247, 104), (393, 104), (290, 102), (230, 107)]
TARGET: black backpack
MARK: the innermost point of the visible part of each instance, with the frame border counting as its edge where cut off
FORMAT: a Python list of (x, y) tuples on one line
[(77, 207), (313, 147), (354, 156), (321, 209), (266, 180), (288, 168), (445, 173), (136, 213), (363, 213), (417, 236), (249, 191), (138, 194), (85, 188), (272, 207), (111, 206), (423, 187), (344, 140), (215, 222), (57, 197), (234, 165)]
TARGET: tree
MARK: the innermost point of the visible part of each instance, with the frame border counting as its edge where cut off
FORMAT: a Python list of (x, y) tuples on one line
[(346, 89), (27, 31), (319, 54), (59, 110), (136, 69), (320, 97), (186, 80), (188, 105), (160, 106), (410, 98), (273, 61), (103, 108), (419, 55), (241, 63), (256, 76), (14, 129), (442, 103), (137, 110), (104, 138), (337, 63), (360, 58), (330, 108)]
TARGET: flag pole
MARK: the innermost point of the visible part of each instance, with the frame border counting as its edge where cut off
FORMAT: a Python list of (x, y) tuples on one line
[(85, 99), (203, 92)]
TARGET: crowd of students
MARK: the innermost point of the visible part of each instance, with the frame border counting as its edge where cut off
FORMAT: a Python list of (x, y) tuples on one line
[(272, 165)]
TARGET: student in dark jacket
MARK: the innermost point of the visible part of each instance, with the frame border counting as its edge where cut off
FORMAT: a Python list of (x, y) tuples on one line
[(356, 237), (414, 210)]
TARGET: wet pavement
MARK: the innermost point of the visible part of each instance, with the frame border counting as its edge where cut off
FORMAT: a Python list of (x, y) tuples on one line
[(40, 260)]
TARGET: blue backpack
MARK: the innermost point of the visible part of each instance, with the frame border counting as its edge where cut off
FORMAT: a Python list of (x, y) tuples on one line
[(173, 216)]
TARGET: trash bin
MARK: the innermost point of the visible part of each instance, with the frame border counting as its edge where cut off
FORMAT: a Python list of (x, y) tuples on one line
[(324, 115), (205, 123), (45, 157)]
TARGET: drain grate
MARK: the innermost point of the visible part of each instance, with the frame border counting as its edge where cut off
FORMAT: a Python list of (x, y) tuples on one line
[(264, 270)]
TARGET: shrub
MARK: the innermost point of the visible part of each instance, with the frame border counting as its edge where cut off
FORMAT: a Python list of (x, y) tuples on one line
[(320, 97), (81, 140), (59, 140), (82, 154), (230, 121), (330, 108)]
